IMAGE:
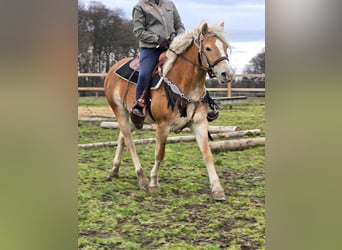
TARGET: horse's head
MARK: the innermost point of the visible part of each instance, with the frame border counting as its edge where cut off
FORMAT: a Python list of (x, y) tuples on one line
[(213, 52)]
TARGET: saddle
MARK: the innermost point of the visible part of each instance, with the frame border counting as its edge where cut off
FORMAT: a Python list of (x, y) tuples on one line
[(130, 71)]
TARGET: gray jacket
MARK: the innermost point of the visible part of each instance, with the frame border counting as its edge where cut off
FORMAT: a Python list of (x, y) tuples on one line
[(151, 21)]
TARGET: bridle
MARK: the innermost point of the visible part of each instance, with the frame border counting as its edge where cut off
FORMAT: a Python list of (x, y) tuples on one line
[(201, 55)]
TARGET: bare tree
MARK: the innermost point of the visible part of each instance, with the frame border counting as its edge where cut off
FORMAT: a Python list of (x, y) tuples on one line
[(256, 64), (105, 37)]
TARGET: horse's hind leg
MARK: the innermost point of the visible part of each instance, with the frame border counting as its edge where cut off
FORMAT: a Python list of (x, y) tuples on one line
[(126, 137), (142, 180), (117, 158)]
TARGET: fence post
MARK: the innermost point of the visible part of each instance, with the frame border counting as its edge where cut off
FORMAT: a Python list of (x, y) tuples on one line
[(229, 89)]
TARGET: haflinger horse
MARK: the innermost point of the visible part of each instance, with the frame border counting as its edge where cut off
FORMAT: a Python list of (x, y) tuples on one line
[(190, 57)]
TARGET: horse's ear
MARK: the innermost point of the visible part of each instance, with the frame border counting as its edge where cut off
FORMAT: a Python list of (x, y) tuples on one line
[(222, 24), (204, 29)]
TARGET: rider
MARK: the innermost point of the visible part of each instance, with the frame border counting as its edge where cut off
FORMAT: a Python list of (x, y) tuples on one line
[(155, 24)]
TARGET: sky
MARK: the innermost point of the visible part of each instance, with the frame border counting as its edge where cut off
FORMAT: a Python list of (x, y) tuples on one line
[(244, 22)]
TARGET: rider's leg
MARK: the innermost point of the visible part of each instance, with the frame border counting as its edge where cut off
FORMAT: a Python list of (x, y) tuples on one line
[(148, 60)]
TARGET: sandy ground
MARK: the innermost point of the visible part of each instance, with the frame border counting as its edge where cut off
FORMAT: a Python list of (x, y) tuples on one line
[(86, 112)]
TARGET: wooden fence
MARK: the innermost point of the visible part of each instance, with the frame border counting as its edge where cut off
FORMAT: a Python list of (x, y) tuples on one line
[(229, 89)]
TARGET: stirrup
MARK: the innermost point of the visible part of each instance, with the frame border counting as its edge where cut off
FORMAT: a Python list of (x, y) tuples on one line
[(137, 114), (212, 115)]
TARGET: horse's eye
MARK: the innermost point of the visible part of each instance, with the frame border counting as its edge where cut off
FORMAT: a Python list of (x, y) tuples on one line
[(208, 49)]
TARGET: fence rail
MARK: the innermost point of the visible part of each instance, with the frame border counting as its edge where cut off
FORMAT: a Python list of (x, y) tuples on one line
[(229, 89)]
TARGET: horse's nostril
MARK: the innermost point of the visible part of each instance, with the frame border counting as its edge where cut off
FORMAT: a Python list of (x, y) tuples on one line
[(224, 74)]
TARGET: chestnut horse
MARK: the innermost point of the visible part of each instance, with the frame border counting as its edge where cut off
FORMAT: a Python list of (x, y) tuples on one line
[(190, 57)]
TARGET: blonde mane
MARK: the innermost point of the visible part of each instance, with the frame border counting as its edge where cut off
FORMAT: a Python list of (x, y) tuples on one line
[(181, 42)]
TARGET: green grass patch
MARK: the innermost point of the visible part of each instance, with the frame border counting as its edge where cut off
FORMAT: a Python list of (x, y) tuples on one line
[(118, 215), (92, 101)]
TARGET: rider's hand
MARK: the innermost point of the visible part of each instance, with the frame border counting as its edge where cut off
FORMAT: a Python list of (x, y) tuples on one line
[(163, 42)]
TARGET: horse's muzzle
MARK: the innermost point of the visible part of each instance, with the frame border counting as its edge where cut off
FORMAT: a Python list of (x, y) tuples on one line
[(225, 77)]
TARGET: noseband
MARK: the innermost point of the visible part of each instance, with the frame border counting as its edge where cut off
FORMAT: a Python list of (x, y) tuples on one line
[(210, 66)]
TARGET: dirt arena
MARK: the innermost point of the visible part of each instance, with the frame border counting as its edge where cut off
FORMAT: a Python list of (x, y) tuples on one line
[(86, 112)]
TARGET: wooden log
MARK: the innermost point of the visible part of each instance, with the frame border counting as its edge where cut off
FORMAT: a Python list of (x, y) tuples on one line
[(236, 144), (136, 142), (90, 119), (235, 134), (115, 125), (152, 127), (174, 139), (221, 129), (98, 144)]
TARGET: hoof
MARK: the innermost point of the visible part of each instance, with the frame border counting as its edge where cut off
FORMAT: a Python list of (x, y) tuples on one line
[(153, 189), (218, 196), (111, 176), (143, 183), (108, 178)]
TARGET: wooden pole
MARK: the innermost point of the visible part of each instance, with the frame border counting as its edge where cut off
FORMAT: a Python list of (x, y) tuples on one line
[(190, 138), (152, 127), (236, 144)]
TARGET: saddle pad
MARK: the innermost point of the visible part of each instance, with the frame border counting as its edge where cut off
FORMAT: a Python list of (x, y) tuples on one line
[(126, 72)]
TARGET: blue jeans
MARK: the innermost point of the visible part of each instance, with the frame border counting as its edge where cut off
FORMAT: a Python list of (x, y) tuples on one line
[(147, 61)]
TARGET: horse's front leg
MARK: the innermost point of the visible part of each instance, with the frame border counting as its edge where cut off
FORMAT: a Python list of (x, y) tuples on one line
[(201, 134), (161, 138)]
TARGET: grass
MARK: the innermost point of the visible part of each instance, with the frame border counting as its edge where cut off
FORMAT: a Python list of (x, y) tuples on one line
[(92, 101), (118, 215)]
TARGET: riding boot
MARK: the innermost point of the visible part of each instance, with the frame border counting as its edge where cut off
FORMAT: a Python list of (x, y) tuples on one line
[(138, 111), (213, 113)]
